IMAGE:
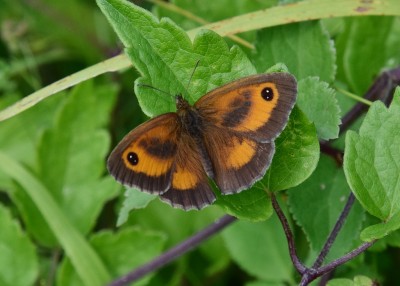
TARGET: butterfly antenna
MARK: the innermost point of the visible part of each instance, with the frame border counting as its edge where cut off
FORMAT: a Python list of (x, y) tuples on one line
[(191, 76), (152, 87)]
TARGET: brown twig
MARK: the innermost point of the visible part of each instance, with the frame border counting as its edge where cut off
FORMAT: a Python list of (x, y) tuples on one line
[(174, 252)]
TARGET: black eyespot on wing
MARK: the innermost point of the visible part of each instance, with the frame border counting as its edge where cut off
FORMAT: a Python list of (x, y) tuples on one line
[(133, 158), (267, 93)]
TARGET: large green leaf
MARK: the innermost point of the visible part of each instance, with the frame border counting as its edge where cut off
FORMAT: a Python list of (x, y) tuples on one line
[(305, 48), (371, 162), (316, 206), (166, 57), (367, 46)]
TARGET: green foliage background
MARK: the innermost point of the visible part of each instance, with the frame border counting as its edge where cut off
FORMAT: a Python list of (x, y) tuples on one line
[(59, 208)]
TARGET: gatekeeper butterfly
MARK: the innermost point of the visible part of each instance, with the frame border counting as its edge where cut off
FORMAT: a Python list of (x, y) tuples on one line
[(227, 136)]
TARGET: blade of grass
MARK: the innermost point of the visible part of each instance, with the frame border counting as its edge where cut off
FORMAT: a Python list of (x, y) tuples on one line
[(114, 64), (301, 11), (85, 260), (297, 12)]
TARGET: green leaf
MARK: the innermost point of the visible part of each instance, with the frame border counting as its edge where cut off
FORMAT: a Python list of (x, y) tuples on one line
[(264, 283), (253, 204), (71, 163), (317, 203), (86, 262), (18, 260), (371, 161), (296, 156), (135, 199), (357, 281), (305, 48), (21, 145), (318, 101), (166, 57), (260, 249), (367, 45), (121, 252), (378, 231)]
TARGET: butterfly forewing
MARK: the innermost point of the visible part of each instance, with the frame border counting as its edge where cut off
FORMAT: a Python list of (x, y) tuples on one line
[(257, 106), (146, 156)]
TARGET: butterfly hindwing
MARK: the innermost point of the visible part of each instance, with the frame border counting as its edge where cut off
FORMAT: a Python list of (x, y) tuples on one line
[(238, 161), (189, 183)]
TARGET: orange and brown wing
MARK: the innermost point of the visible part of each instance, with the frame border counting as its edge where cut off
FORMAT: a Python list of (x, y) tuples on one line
[(256, 106), (190, 188), (238, 161), (157, 157), (145, 157)]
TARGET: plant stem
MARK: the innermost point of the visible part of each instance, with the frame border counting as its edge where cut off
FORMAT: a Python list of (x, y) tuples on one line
[(313, 274), (289, 236), (174, 252), (381, 89), (334, 232)]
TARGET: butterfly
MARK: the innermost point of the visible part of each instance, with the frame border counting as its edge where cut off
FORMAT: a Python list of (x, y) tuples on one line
[(226, 136)]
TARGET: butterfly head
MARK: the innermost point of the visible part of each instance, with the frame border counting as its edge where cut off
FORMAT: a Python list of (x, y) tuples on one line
[(181, 103)]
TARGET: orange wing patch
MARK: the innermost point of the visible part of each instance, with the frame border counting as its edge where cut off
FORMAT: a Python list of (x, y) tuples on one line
[(239, 152), (184, 179)]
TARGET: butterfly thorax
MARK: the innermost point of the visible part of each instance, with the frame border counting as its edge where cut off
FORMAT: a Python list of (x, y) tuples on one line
[(189, 117)]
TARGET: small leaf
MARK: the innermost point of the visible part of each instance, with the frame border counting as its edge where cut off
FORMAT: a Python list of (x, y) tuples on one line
[(18, 260), (305, 48), (371, 160), (296, 156), (318, 101), (253, 204), (260, 249), (359, 280), (378, 231), (135, 199), (121, 252)]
